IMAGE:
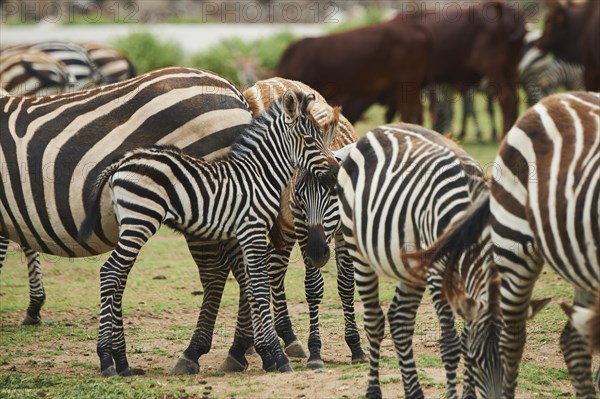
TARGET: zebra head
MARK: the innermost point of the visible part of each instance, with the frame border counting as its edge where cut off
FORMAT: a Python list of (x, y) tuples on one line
[(316, 215), (315, 210), (481, 335), (308, 150)]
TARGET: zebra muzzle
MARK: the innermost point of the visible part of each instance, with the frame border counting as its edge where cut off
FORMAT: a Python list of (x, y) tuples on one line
[(316, 252)]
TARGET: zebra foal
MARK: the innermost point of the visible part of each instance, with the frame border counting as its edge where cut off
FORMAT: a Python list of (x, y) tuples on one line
[(238, 196), (398, 189), (308, 216)]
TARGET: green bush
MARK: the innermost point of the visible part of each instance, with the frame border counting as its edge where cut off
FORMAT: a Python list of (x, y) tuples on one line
[(148, 53), (269, 50), (372, 15), (222, 57)]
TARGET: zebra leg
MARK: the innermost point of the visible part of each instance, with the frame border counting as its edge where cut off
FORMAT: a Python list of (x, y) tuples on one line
[(313, 283), (469, 384), (467, 111), (213, 271), (576, 353), (402, 315), (37, 296), (449, 340), (244, 331), (4, 242), (518, 275), (345, 283), (113, 277), (374, 319), (256, 258), (492, 115), (280, 258)]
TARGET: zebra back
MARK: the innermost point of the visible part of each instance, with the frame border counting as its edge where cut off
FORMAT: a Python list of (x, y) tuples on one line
[(112, 65), (265, 92), (53, 148), (76, 58), (33, 73), (550, 185)]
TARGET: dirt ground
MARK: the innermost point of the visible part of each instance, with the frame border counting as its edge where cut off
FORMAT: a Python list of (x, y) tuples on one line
[(338, 379)]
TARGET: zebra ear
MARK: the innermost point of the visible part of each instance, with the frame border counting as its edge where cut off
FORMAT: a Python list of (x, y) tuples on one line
[(290, 106)]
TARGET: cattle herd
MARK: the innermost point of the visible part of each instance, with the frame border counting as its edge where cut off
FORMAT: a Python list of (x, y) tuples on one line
[(244, 176)]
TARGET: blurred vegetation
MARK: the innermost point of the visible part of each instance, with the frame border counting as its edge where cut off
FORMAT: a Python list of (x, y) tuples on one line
[(147, 52), (226, 57), (372, 15)]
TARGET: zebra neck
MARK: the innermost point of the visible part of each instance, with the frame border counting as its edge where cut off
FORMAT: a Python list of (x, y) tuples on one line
[(268, 153)]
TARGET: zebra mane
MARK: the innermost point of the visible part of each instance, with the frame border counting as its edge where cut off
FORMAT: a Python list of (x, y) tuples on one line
[(260, 125)]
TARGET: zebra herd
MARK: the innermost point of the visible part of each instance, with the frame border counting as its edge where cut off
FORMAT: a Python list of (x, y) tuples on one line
[(88, 172)]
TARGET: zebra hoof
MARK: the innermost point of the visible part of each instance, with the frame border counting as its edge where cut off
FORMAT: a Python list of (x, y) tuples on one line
[(286, 368), (295, 349), (231, 365), (126, 373), (250, 351), (373, 392), (31, 321), (185, 366), (315, 364), (110, 371), (359, 358)]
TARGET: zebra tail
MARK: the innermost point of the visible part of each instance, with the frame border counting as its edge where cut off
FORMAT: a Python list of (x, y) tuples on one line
[(92, 210), (457, 240)]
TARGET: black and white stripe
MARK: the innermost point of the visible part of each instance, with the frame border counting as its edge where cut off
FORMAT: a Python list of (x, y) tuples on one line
[(398, 190), (112, 65), (33, 73), (543, 208), (76, 58), (541, 74), (53, 148), (546, 208), (236, 197), (306, 217)]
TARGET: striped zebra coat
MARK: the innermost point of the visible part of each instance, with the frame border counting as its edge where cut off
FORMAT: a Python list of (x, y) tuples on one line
[(238, 196), (112, 65), (398, 189), (308, 216), (549, 211), (544, 208), (33, 73), (541, 74), (53, 148), (82, 68)]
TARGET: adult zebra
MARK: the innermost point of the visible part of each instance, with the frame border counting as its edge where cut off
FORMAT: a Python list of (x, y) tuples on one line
[(81, 67), (544, 205), (398, 189), (52, 149), (33, 73), (541, 74), (242, 194), (549, 212), (311, 223)]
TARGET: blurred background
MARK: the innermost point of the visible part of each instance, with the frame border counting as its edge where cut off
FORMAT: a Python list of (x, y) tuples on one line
[(241, 40)]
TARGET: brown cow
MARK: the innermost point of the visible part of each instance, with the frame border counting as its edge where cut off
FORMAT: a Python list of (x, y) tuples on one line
[(386, 58), (572, 33)]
